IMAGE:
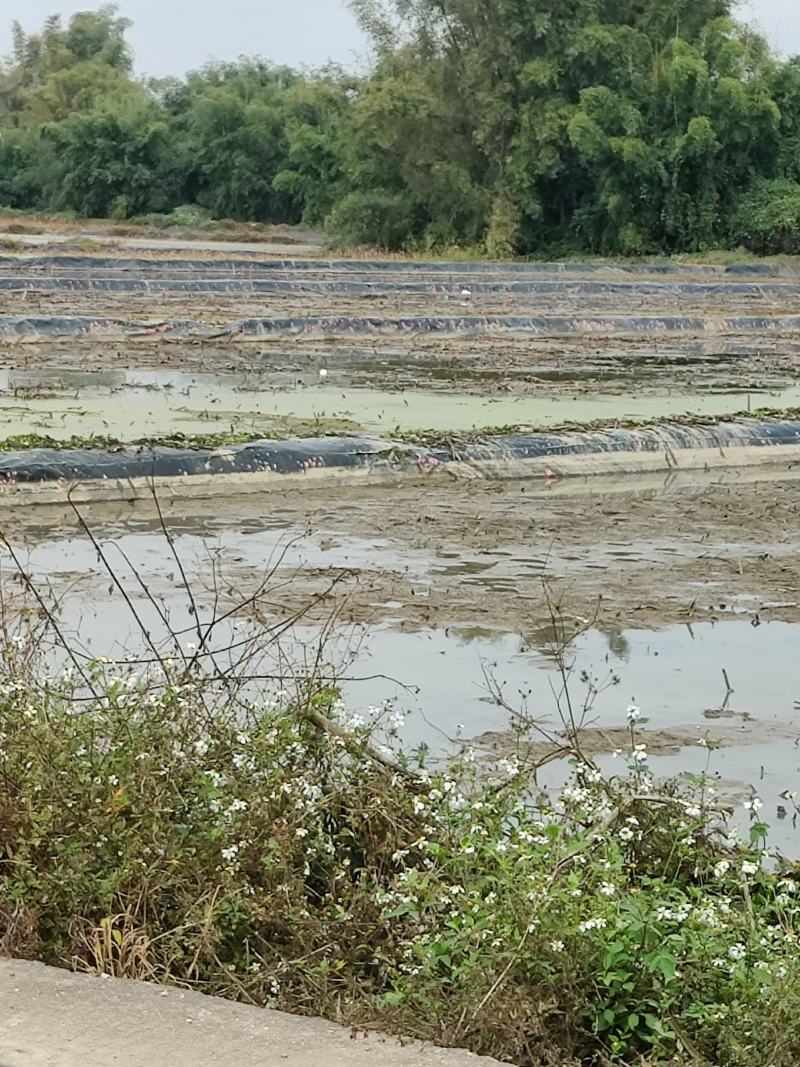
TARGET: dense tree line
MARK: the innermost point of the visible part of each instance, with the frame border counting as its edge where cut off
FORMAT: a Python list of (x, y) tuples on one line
[(616, 126)]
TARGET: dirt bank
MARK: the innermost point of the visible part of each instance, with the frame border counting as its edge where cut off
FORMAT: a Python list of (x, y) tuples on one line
[(599, 741)]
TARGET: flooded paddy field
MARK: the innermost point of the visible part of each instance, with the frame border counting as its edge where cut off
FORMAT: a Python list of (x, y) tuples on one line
[(344, 298), (379, 397), (379, 347), (444, 586)]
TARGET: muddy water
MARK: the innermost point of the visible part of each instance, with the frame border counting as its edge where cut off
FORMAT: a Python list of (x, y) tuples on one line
[(674, 674), (129, 404)]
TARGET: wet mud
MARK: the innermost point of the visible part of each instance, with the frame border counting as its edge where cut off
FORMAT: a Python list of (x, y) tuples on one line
[(684, 549)]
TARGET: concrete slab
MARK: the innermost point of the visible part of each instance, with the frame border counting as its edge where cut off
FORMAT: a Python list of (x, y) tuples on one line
[(52, 1018)]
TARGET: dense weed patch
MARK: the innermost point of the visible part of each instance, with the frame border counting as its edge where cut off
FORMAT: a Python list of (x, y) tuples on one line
[(273, 854)]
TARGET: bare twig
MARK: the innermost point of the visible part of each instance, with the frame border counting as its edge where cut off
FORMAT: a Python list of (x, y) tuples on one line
[(48, 614)]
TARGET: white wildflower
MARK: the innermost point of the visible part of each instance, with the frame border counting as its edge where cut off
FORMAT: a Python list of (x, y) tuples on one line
[(592, 924), (509, 766), (708, 917)]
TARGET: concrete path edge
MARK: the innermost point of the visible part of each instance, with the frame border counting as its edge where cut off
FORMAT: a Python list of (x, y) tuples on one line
[(53, 1018)]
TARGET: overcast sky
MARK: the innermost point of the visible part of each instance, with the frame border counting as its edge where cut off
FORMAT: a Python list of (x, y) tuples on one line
[(173, 36)]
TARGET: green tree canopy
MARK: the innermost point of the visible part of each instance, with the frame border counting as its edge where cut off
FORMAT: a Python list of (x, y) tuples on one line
[(618, 126)]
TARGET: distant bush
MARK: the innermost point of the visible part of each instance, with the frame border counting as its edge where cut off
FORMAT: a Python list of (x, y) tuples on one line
[(502, 235), (768, 218), (373, 218), (13, 162), (191, 215)]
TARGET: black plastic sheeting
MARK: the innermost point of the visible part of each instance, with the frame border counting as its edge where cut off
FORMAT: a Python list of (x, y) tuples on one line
[(365, 266), (571, 287), (283, 457), (33, 326), (302, 455), (67, 326)]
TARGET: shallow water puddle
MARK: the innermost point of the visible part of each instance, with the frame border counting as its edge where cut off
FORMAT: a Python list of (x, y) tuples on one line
[(675, 675), (129, 404)]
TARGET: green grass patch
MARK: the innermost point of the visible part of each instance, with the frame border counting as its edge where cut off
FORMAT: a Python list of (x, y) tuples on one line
[(102, 443), (343, 428), (28, 441), (444, 439)]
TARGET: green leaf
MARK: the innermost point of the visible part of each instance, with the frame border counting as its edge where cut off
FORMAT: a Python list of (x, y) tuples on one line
[(663, 963), (393, 999)]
